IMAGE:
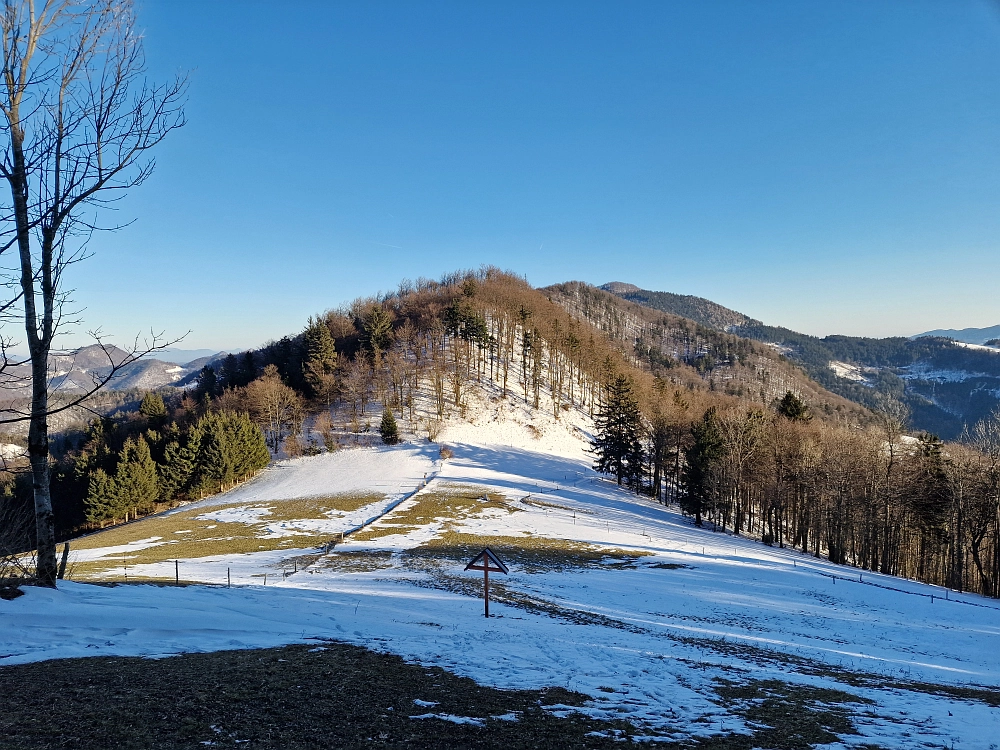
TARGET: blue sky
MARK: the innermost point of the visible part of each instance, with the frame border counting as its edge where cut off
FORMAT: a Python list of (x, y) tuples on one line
[(830, 167)]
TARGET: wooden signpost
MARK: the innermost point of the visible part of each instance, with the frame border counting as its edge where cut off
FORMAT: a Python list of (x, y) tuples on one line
[(487, 561)]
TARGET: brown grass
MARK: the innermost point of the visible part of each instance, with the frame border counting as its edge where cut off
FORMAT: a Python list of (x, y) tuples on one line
[(184, 536)]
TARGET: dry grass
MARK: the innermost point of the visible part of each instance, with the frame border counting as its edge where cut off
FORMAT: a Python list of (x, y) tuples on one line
[(535, 554), (183, 535), (446, 504)]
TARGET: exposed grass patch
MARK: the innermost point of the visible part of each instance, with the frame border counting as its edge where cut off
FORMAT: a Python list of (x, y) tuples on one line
[(534, 501), (446, 504), (536, 554), (356, 561), (291, 698), (188, 535)]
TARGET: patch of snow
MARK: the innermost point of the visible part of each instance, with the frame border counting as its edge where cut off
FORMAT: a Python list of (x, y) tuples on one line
[(921, 371), (452, 718), (11, 450), (848, 372), (981, 347)]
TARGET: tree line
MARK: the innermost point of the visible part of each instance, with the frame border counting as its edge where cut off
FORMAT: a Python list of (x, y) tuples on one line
[(870, 496)]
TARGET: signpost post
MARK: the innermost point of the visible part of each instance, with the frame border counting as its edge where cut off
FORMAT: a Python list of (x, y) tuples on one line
[(487, 561)]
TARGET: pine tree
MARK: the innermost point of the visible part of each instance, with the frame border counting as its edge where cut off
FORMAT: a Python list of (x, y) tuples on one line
[(320, 358), (319, 343), (702, 458), (619, 434), (793, 408), (376, 329), (136, 479), (152, 407), (101, 502), (230, 372), (208, 383), (248, 369), (388, 428), (180, 458)]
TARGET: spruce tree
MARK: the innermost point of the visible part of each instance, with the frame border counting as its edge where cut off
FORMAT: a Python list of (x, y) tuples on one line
[(101, 502), (320, 355), (388, 428), (230, 372), (319, 343), (208, 383), (793, 408), (152, 407), (136, 477), (619, 434), (248, 369), (180, 458), (702, 458)]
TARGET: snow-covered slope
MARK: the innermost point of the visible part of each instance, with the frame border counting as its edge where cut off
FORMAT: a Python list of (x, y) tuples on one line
[(608, 594)]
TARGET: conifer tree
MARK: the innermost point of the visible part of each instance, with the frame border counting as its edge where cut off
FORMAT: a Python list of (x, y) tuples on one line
[(619, 433), (702, 458), (180, 458), (231, 372), (101, 503), (320, 358), (376, 330), (248, 368), (388, 428), (208, 383), (136, 482), (152, 407), (793, 408)]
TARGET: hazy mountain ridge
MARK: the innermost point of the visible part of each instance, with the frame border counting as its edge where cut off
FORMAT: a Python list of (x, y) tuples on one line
[(967, 335), (946, 385), (79, 370)]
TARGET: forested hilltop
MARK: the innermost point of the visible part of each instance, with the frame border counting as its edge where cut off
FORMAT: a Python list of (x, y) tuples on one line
[(947, 387), (722, 425)]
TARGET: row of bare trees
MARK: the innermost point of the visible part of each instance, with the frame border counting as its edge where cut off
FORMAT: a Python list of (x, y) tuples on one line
[(868, 496)]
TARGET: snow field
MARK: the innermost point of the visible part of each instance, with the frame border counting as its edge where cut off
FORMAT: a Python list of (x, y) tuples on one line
[(609, 594)]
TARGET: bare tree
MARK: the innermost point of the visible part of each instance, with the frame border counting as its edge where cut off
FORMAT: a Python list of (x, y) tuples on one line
[(78, 120), (274, 406)]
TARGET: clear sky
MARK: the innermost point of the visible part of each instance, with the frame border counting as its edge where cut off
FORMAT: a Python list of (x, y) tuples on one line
[(833, 167)]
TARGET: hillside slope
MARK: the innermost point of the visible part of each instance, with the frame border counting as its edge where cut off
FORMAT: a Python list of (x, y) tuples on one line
[(679, 631), (700, 310), (947, 386), (681, 350)]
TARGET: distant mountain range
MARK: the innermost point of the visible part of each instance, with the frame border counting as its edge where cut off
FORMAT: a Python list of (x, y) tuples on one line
[(948, 379), (184, 356), (77, 371), (968, 335)]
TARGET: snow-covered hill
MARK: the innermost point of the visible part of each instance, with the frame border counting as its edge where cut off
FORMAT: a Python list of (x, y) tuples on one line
[(608, 593), (77, 372)]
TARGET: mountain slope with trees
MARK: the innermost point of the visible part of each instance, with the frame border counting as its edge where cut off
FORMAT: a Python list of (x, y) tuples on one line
[(725, 427), (945, 386)]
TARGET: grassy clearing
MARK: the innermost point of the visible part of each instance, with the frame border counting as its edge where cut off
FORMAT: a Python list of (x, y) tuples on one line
[(446, 504), (290, 698), (183, 535), (535, 554)]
